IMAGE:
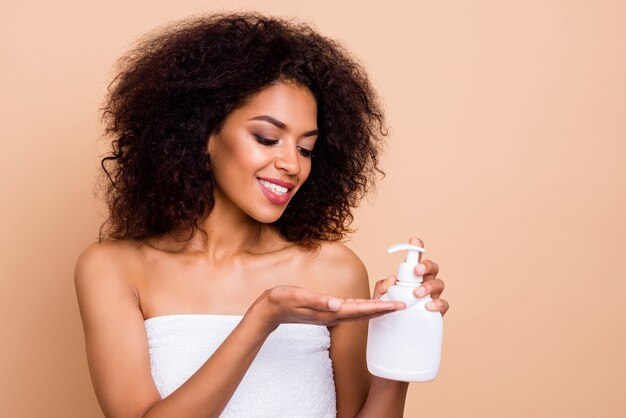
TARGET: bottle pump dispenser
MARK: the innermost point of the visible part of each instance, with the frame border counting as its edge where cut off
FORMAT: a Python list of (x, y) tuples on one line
[(405, 345)]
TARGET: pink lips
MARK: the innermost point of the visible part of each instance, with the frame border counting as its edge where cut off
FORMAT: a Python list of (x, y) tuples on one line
[(273, 197), (280, 182)]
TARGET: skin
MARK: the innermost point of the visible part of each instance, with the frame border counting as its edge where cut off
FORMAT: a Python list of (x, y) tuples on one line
[(119, 285)]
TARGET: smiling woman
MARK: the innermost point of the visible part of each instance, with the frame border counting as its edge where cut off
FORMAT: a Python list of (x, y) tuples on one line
[(251, 164), (178, 86), (251, 138)]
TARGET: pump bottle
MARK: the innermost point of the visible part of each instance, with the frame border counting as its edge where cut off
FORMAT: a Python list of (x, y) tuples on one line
[(405, 345)]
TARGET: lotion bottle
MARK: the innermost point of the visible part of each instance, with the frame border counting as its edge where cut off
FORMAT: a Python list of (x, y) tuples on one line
[(405, 345)]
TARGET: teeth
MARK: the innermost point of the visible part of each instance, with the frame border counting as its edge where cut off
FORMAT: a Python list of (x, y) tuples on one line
[(279, 190)]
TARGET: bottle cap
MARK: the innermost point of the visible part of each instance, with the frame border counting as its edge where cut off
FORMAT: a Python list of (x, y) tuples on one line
[(406, 270)]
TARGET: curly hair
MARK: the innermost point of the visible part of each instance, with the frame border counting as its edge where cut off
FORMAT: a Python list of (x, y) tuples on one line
[(177, 86)]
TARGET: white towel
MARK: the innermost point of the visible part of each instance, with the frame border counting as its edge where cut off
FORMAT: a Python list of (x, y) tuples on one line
[(291, 375)]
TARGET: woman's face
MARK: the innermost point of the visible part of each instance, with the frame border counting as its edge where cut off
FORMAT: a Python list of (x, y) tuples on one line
[(260, 157)]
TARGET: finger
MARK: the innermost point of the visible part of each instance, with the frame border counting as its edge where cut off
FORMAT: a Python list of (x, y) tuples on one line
[(317, 301), (437, 305), (333, 304), (419, 243), (429, 270), (436, 286), (447, 306), (381, 286), (355, 300), (352, 309), (432, 287), (364, 317)]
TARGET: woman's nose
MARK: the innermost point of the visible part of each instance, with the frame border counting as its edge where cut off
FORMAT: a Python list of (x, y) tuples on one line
[(287, 159)]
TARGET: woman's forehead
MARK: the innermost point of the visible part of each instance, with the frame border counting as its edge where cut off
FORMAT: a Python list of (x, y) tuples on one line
[(286, 106)]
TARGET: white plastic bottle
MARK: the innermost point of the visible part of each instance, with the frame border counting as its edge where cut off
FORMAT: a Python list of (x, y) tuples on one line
[(406, 345)]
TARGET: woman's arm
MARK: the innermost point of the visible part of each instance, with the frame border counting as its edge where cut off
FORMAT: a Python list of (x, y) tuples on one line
[(385, 398), (358, 392), (118, 355), (208, 391)]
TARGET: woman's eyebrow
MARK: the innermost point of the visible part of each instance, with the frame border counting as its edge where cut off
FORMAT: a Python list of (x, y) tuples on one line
[(280, 124)]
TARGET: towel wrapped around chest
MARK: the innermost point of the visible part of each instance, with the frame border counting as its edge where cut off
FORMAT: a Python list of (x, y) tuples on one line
[(291, 376)]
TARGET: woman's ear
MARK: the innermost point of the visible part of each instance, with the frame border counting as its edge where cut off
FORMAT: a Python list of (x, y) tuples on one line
[(210, 141)]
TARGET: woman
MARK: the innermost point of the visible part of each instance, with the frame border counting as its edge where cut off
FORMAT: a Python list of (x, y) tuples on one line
[(241, 144)]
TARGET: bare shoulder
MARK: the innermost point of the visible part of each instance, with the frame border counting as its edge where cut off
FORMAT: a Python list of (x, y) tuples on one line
[(346, 277), (343, 272), (113, 324), (118, 250), (102, 262), (110, 253)]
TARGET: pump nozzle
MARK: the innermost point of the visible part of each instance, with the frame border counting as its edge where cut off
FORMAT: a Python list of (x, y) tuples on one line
[(406, 270)]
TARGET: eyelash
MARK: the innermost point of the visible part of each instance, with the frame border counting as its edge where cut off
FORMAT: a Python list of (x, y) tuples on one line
[(265, 141)]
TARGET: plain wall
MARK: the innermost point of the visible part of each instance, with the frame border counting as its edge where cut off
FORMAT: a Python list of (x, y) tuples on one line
[(507, 156)]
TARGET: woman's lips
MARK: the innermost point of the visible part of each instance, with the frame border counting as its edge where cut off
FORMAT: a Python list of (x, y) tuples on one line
[(273, 197)]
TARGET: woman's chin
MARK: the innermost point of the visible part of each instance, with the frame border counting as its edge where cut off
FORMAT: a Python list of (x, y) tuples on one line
[(268, 217)]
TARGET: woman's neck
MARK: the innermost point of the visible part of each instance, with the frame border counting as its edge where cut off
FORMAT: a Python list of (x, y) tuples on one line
[(230, 234)]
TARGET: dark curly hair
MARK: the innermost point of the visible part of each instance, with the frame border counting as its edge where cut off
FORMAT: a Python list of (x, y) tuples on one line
[(177, 86)]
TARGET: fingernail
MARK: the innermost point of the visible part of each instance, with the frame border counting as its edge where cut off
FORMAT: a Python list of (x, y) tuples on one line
[(421, 291), (334, 304), (431, 305), (421, 268)]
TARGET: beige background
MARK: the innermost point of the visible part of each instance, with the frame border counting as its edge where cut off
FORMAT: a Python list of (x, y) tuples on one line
[(507, 157)]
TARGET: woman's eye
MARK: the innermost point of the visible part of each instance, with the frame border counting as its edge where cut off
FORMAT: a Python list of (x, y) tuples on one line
[(305, 152), (265, 141)]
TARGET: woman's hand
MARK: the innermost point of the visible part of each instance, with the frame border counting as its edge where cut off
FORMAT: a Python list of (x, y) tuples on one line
[(294, 304), (431, 285)]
